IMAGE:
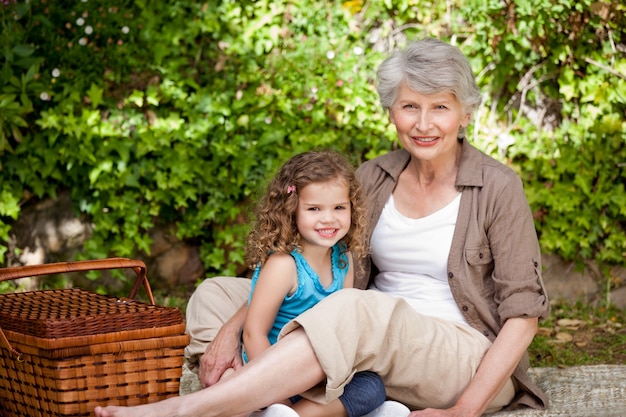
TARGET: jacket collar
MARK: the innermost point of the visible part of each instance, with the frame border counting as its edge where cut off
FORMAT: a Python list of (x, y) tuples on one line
[(470, 167)]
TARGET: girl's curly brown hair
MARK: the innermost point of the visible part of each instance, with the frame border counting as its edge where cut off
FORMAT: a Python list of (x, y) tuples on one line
[(275, 227)]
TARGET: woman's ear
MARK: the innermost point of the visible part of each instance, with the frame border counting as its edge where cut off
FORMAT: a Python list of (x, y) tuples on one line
[(466, 120)]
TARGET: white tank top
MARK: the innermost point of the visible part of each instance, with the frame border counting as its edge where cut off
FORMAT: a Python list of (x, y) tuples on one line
[(412, 257)]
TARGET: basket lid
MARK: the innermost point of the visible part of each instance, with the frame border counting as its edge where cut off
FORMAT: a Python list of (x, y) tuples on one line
[(77, 312)]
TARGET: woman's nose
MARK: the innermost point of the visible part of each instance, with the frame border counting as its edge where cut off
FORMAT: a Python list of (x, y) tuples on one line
[(422, 120)]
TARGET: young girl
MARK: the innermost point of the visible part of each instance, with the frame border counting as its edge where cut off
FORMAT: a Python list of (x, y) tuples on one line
[(309, 226)]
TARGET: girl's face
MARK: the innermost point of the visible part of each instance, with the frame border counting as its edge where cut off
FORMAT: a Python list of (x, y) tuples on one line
[(428, 124), (323, 215)]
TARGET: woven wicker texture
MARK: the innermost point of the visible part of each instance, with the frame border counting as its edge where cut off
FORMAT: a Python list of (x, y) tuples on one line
[(62, 352), (73, 312), (133, 372)]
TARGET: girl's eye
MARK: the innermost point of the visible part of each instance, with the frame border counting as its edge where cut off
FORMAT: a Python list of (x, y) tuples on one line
[(340, 208), (313, 209)]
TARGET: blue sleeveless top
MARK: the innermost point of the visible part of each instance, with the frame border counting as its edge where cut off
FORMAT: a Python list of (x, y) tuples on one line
[(310, 290)]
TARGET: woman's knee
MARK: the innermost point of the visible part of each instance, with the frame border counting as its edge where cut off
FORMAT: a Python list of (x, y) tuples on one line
[(373, 384), (363, 393)]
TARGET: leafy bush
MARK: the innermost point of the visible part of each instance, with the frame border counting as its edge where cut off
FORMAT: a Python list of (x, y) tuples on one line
[(155, 112), (178, 116)]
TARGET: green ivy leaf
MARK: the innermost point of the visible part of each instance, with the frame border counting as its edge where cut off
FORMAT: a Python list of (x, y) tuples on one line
[(94, 94)]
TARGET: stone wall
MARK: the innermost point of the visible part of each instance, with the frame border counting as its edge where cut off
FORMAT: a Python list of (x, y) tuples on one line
[(50, 231), (564, 281)]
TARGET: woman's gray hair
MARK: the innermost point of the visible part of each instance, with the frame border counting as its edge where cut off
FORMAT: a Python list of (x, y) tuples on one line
[(428, 66)]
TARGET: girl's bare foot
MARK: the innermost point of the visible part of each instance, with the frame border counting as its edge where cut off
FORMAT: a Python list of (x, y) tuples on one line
[(160, 409), (113, 411)]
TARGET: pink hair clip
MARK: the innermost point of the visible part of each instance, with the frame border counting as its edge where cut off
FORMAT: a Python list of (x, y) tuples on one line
[(291, 189)]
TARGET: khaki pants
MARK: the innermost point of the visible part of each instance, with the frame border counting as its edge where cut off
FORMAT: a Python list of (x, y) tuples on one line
[(424, 361)]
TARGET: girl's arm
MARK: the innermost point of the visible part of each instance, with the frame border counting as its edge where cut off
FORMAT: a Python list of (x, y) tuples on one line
[(348, 281), (278, 278)]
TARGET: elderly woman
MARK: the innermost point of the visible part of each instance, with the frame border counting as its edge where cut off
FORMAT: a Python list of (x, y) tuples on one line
[(454, 278)]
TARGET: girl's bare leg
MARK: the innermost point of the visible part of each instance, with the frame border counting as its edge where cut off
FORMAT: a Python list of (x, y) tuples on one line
[(306, 408), (285, 369)]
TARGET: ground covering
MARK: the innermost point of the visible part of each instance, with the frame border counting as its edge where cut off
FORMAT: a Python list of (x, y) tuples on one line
[(580, 334)]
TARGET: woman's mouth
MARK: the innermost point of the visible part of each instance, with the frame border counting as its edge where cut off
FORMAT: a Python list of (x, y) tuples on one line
[(424, 140)]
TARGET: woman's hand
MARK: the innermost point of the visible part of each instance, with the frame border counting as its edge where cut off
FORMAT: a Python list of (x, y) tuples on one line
[(223, 352)]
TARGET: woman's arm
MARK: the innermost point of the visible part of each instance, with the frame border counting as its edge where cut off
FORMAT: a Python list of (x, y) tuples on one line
[(495, 369), (277, 279), (223, 352)]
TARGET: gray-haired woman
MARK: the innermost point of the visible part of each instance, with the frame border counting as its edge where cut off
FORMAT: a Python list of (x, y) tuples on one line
[(454, 278)]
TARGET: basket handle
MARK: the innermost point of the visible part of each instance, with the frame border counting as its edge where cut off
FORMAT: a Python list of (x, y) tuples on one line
[(15, 272)]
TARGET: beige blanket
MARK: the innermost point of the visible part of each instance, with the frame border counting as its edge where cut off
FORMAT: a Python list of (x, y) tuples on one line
[(579, 391)]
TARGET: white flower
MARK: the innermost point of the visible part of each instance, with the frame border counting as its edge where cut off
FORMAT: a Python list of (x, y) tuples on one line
[(82, 41), (268, 120), (80, 21), (88, 30), (314, 90), (125, 29), (330, 54), (44, 96), (56, 72), (357, 50)]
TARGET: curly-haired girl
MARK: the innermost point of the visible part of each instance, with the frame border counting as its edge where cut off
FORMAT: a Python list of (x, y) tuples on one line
[(275, 229), (309, 226)]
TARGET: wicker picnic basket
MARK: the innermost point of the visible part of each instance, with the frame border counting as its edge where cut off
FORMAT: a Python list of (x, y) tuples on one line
[(62, 352)]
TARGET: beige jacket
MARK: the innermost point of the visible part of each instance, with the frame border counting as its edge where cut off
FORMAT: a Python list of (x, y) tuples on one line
[(494, 266)]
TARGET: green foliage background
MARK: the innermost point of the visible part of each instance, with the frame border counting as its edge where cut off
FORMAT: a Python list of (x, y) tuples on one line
[(158, 112)]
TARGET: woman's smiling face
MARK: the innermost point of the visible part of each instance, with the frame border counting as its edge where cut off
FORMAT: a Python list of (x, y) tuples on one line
[(428, 124)]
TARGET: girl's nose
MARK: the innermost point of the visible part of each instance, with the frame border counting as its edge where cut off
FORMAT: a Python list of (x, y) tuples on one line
[(327, 216)]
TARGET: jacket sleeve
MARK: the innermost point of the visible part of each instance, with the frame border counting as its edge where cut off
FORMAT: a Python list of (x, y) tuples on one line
[(518, 284)]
